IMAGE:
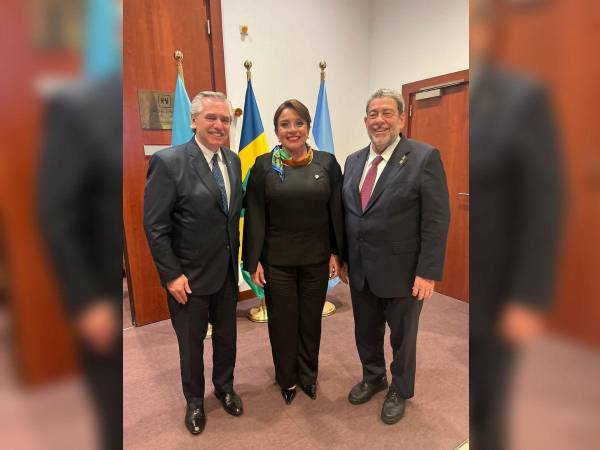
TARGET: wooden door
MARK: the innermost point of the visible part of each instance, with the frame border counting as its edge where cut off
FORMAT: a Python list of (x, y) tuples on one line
[(438, 114), (40, 345), (152, 31), (572, 84)]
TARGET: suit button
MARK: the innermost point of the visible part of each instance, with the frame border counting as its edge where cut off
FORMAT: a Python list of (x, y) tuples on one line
[(228, 247)]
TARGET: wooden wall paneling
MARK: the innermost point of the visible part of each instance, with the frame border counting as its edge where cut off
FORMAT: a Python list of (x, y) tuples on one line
[(216, 41), (41, 340), (147, 301)]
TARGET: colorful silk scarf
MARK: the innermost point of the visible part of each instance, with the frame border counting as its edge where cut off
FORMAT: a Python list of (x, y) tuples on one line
[(282, 158)]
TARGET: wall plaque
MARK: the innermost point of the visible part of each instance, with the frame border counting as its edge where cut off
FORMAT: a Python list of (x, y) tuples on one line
[(156, 109)]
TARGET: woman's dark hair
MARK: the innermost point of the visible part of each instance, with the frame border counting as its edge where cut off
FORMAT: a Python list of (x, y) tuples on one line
[(297, 106)]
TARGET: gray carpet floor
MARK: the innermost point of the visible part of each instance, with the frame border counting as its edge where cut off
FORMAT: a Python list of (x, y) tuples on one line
[(436, 418)]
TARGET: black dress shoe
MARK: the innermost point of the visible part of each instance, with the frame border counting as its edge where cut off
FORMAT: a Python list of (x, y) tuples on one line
[(310, 390), (393, 407), (195, 420), (232, 403), (363, 391), (288, 394)]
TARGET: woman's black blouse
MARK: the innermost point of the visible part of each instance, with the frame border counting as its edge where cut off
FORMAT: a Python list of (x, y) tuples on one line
[(295, 222)]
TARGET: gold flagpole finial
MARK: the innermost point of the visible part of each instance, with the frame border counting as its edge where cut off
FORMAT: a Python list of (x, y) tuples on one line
[(322, 65), (178, 55), (248, 66)]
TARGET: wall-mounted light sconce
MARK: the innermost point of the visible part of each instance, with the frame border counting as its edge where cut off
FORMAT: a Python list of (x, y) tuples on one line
[(243, 31)]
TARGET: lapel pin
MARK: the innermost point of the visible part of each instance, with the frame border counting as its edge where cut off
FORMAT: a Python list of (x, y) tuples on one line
[(403, 160), (316, 176)]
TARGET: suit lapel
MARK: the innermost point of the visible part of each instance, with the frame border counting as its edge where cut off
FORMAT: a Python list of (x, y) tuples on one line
[(233, 180), (359, 167), (198, 162), (392, 167), (483, 104)]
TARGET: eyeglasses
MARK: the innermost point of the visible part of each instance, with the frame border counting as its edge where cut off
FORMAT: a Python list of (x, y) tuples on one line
[(212, 118), (386, 113)]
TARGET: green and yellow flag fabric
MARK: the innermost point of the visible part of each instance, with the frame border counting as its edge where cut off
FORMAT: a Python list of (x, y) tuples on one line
[(253, 143)]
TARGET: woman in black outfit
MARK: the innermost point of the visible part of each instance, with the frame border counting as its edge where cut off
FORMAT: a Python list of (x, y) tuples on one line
[(293, 243)]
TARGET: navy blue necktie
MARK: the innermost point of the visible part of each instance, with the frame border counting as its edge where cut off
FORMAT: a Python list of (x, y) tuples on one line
[(216, 171)]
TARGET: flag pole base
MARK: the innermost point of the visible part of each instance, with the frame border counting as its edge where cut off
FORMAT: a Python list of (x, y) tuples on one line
[(328, 308), (259, 314)]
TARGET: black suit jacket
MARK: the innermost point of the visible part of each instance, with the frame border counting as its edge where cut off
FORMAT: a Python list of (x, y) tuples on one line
[(297, 222), (80, 194), (515, 208), (187, 229), (403, 231)]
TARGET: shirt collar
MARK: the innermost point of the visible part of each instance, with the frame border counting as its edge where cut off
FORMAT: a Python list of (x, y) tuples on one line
[(386, 154), (208, 154)]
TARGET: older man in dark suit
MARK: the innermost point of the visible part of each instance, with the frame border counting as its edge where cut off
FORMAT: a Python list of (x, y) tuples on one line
[(397, 215), (79, 200), (515, 224), (192, 207)]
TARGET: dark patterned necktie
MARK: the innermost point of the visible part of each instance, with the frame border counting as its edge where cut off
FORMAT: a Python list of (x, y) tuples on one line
[(216, 171), (369, 182)]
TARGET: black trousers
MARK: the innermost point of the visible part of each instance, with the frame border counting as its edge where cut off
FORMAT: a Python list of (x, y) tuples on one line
[(295, 297), (103, 373), (190, 322), (491, 364), (402, 316)]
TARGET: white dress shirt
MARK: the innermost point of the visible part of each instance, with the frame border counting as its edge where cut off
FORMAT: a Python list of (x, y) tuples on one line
[(386, 155), (208, 154)]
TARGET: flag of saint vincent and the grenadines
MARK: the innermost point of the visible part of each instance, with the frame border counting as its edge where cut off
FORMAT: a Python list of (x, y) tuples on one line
[(253, 143), (323, 137)]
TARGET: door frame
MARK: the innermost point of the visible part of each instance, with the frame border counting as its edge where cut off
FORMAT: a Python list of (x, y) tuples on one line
[(410, 89)]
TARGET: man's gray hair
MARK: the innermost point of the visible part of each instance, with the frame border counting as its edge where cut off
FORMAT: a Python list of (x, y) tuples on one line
[(196, 107), (387, 93)]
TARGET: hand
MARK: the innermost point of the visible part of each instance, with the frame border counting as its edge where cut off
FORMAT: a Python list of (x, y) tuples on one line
[(258, 277), (334, 266), (98, 325), (344, 273), (179, 288), (423, 288), (520, 324)]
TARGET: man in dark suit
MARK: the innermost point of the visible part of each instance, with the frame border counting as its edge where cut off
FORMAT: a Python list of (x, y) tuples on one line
[(192, 205), (80, 214), (397, 217), (515, 224)]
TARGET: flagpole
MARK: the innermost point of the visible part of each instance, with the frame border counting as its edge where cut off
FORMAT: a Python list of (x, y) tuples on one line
[(328, 307), (178, 55), (258, 314), (248, 66)]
